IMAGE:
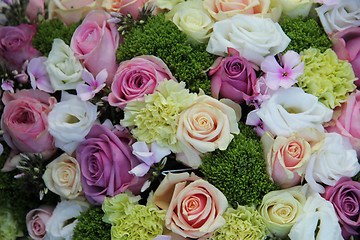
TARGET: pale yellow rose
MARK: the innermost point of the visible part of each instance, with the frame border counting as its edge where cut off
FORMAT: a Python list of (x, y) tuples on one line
[(294, 8), (62, 176), (71, 11), (207, 125), (280, 209), (191, 18)]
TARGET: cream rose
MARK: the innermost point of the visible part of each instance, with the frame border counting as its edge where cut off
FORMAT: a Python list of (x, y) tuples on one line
[(205, 126), (289, 110), (287, 157), (191, 18), (194, 206), (294, 8), (338, 17), (63, 68), (253, 37), (222, 9), (62, 176), (280, 209), (71, 11), (167, 4)]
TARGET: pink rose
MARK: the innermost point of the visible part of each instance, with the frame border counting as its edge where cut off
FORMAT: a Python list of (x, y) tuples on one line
[(36, 221), (345, 196), (194, 206), (71, 11), (135, 78), (15, 45), (105, 159), (233, 77), (287, 157), (348, 121), (222, 9), (125, 6), (25, 120), (95, 42), (346, 45), (207, 125), (33, 8)]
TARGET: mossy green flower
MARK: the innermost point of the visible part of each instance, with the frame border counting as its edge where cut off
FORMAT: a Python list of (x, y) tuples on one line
[(156, 118), (131, 220), (241, 223), (8, 225), (327, 77)]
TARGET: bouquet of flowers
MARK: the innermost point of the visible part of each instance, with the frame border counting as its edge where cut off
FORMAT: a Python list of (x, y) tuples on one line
[(180, 119)]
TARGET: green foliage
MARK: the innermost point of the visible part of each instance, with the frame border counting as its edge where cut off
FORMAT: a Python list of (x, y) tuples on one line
[(163, 39), (15, 12), (239, 172), (91, 226), (305, 33), (49, 30)]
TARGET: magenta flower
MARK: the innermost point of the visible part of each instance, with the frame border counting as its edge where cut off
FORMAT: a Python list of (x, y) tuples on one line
[(283, 75), (141, 151), (39, 77), (93, 86)]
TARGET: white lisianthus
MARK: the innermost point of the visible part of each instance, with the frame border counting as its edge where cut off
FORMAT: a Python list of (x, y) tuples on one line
[(63, 220), (191, 18), (70, 121), (253, 37), (338, 17), (167, 4), (62, 176), (289, 110), (63, 68), (294, 8), (335, 159), (280, 209), (318, 214)]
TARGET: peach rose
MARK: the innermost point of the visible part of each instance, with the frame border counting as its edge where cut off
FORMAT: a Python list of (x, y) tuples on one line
[(71, 11), (205, 126), (222, 9), (125, 6), (287, 157), (194, 206)]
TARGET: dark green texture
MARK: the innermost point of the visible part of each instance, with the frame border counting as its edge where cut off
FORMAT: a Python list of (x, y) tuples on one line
[(239, 172), (91, 226), (47, 31), (161, 38), (305, 33)]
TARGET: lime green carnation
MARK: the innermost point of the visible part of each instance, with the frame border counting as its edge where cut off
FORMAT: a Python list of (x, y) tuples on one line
[(8, 225), (241, 223), (131, 220), (327, 77), (155, 119)]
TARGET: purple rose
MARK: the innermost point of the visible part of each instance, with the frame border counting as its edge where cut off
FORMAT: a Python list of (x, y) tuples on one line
[(233, 77), (135, 78), (345, 196), (15, 45), (105, 159)]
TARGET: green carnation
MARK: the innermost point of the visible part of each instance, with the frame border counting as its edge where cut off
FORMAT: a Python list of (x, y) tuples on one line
[(131, 220), (8, 225), (327, 77), (241, 223), (155, 119)]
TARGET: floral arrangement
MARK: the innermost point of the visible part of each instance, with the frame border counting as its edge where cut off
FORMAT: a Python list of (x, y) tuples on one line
[(180, 119)]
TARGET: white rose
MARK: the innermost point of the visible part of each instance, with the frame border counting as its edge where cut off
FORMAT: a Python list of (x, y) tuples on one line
[(191, 18), (70, 121), (335, 159), (294, 8), (338, 17), (317, 214), (63, 220), (254, 37), (62, 176), (167, 4), (63, 68), (289, 110)]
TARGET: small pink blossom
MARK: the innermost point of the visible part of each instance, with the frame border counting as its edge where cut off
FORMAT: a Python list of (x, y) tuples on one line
[(7, 85), (93, 86), (39, 77), (283, 74)]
